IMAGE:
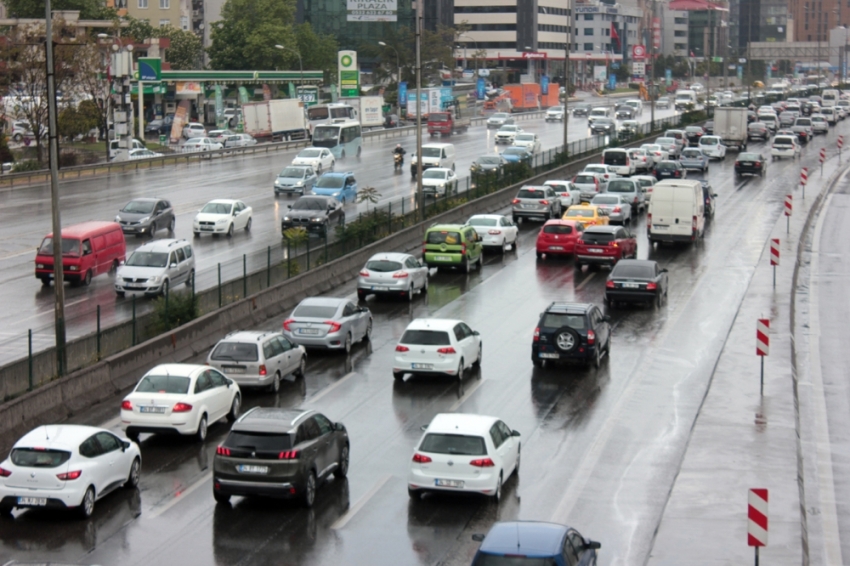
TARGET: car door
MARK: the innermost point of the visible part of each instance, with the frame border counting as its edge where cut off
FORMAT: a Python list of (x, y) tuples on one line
[(325, 160), (290, 357), (600, 327), (468, 342), (99, 468), (503, 452), (509, 229), (585, 556), (308, 444), (221, 392), (204, 396), (182, 266), (309, 179), (513, 445), (274, 357), (112, 455), (350, 188), (354, 321), (327, 443)]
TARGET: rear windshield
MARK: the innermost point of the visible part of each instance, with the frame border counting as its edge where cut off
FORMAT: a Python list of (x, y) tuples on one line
[(708, 141), (314, 311), (621, 186), (383, 266), (606, 200), (615, 158), (585, 179), (646, 182), (163, 384), (258, 441), (557, 320), (783, 141), (443, 237), (665, 165), (483, 559), (557, 229), (640, 271), (597, 237), (453, 444), (803, 122), (579, 213), (530, 193), (749, 157), (426, 338), (236, 352), (482, 222), (39, 457)]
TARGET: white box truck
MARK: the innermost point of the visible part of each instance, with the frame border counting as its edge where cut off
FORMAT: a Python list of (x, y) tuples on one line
[(676, 212), (731, 125), (368, 110), (282, 119)]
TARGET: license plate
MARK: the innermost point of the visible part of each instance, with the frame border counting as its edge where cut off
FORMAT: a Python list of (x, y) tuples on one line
[(233, 370), (308, 331), (529, 206), (378, 288), (208, 228), (41, 501), (631, 285), (556, 248), (595, 250), (660, 226), (247, 469), (442, 258), (548, 356), (748, 163), (148, 409), (422, 366), (448, 483)]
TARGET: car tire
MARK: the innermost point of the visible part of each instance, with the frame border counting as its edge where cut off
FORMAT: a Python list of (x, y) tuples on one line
[(201, 433), (597, 359), (562, 343), (367, 336), (248, 225), (347, 346), (424, 289), (477, 362), (536, 362), (274, 386), (221, 498), (361, 295), (135, 472), (45, 281), (87, 278), (230, 230), (497, 494), (539, 255), (86, 508), (6, 511), (197, 234), (398, 375), (308, 498), (172, 224), (152, 230), (460, 370), (409, 294), (342, 467), (414, 494), (465, 266)]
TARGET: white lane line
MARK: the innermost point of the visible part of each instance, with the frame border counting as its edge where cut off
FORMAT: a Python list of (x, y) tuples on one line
[(465, 396), (330, 388), (342, 521), (585, 282), (178, 497)]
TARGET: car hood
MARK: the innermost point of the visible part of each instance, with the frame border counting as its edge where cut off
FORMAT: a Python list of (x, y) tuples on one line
[(289, 180), (137, 272), (486, 166), (306, 213), (306, 160), (433, 182), (133, 216), (210, 217)]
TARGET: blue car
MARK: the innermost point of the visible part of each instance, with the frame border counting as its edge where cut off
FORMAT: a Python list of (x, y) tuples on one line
[(340, 186), (516, 154), (534, 543), (693, 158)]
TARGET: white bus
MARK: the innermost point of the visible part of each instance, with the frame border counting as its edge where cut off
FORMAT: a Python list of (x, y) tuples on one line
[(343, 139), (329, 114), (829, 97)]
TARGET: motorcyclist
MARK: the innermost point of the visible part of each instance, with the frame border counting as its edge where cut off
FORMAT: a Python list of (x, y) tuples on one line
[(399, 151)]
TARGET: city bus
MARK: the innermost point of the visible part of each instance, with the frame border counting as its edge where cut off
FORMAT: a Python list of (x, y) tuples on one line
[(329, 113), (829, 97), (343, 139)]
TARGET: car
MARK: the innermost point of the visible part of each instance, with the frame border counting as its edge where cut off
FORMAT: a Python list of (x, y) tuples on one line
[(663, 102), (464, 453), (669, 145), (222, 216), (657, 152), (709, 127), (628, 129), (751, 117), (295, 179), (802, 128), (555, 113), (220, 135), (646, 182), (710, 198), (239, 140), (786, 119), (538, 202), (605, 245), (529, 141), (607, 172), (194, 130), (157, 267), (670, 170), (392, 274), (599, 112), (712, 147), (518, 154), (750, 164), (146, 215), (319, 158), (533, 543), (452, 245), (142, 153), (581, 109), (603, 126), (571, 332), (392, 121), (314, 213), (507, 134), (328, 323), (785, 146), (641, 158), (618, 161), (829, 114), (589, 185), (182, 399), (254, 358), (280, 453), (558, 237), (693, 135), (630, 190), (587, 215), (567, 191), (636, 280), (340, 185), (67, 466), (232, 116), (438, 182), (819, 124), (22, 129), (618, 208), (495, 230), (499, 119), (488, 164), (636, 104), (200, 144), (694, 158), (758, 131), (160, 126), (678, 135), (435, 346), (624, 112)]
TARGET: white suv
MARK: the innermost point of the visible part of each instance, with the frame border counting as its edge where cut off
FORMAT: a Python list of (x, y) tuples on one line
[(156, 267)]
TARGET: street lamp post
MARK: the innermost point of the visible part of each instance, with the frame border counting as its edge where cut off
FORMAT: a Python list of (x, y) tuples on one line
[(397, 60), (567, 47), (300, 65), (419, 194)]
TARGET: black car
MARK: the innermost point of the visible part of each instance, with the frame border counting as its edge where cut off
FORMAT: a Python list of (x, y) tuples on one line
[(636, 281), (160, 126), (709, 127), (580, 109), (314, 212), (490, 163), (603, 126), (624, 111), (806, 108), (571, 331), (750, 164), (758, 131), (670, 170), (693, 134), (145, 216), (279, 453), (392, 121), (708, 195)]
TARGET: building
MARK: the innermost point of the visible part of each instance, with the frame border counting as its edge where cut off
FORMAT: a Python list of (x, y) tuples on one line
[(674, 31), (812, 21), (332, 18), (158, 13)]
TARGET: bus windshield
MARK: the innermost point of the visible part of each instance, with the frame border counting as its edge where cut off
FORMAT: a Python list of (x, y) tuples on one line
[(325, 133)]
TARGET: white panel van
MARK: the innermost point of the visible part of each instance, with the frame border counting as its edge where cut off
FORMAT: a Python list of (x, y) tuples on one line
[(676, 212)]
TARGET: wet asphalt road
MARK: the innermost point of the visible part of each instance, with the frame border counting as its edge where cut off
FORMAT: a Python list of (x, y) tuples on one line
[(25, 219), (600, 449)]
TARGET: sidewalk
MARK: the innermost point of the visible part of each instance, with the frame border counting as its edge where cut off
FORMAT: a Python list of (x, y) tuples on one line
[(741, 440)]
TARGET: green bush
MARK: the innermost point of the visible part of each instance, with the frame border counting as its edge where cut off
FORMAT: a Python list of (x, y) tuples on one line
[(27, 165), (175, 310), (68, 159)]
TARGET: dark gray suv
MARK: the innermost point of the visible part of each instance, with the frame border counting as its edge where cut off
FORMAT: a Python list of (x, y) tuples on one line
[(571, 331)]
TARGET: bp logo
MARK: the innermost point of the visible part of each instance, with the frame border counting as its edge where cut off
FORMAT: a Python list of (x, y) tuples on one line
[(346, 60)]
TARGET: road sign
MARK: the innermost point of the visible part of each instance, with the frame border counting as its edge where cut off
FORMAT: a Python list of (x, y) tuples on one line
[(822, 154), (638, 69), (804, 176), (774, 251), (638, 52), (763, 337), (788, 205), (757, 517)]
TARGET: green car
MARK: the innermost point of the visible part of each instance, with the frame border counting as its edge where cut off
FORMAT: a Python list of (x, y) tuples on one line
[(452, 245)]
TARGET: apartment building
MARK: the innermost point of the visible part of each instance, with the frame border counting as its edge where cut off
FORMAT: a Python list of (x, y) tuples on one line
[(158, 13)]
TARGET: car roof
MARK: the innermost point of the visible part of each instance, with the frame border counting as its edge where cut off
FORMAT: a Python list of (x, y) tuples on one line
[(491, 216), (164, 245), (271, 419), (223, 201), (336, 173), (459, 423), (529, 538), (567, 307), (248, 335), (641, 262), (432, 324), (145, 199), (323, 301), (440, 169), (601, 229), (177, 370), (442, 227), (85, 228), (561, 222), (57, 436), (389, 256)]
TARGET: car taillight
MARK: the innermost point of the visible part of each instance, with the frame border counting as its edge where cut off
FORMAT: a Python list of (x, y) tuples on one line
[(181, 408), (463, 249), (758, 163), (68, 476), (494, 232), (4, 473), (658, 153), (262, 370), (482, 463), (424, 250), (609, 284), (334, 326), (222, 451), (288, 455), (591, 337), (618, 209), (400, 275), (401, 348), (651, 286), (592, 222), (421, 458), (287, 324), (364, 273), (546, 202), (614, 245), (596, 182), (537, 334), (636, 199), (448, 350), (565, 194), (737, 163), (676, 173), (126, 406), (515, 201)]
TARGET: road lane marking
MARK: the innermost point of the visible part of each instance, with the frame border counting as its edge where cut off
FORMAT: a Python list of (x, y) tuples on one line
[(330, 388), (585, 282), (465, 396), (179, 496), (342, 521)]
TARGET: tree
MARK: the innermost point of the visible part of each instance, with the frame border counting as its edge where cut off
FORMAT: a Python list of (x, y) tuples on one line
[(318, 51), (368, 195), (89, 9), (78, 121), (186, 50), (246, 36)]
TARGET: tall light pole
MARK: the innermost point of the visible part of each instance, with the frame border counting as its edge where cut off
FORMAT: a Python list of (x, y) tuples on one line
[(300, 65), (420, 195), (397, 59), (567, 47)]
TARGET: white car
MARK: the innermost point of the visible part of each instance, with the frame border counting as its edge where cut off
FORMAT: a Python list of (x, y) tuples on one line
[(655, 151), (439, 181), (819, 124), (431, 346), (201, 144), (646, 182), (222, 216), (142, 154), (566, 191), (636, 104), (506, 134), (67, 467), (555, 113), (319, 158), (464, 453), (180, 398), (499, 119), (605, 171), (394, 274), (495, 230), (529, 141), (785, 146), (220, 135), (589, 184), (157, 267), (641, 158), (712, 146), (239, 140), (194, 130)]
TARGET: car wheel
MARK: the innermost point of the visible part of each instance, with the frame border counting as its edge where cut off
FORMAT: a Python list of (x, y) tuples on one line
[(425, 285), (504, 243), (135, 472), (230, 230), (6, 511), (172, 224), (45, 281), (497, 494), (477, 362), (536, 362), (342, 468), (221, 498), (465, 266), (114, 267), (597, 359), (248, 225), (274, 386), (87, 279), (302, 368), (201, 433), (414, 494), (197, 234), (410, 293), (361, 295), (460, 370), (86, 508), (518, 458), (398, 375), (152, 230), (309, 496), (658, 300), (319, 171), (347, 346), (368, 335), (539, 255), (567, 339)]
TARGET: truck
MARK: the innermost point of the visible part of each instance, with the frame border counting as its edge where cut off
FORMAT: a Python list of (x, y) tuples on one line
[(281, 119), (685, 99), (730, 124), (446, 123), (368, 110), (432, 100), (525, 97)]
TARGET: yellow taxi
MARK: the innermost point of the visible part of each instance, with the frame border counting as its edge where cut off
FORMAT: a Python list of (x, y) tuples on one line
[(586, 214)]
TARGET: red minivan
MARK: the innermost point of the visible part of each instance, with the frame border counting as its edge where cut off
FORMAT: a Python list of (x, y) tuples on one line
[(88, 249)]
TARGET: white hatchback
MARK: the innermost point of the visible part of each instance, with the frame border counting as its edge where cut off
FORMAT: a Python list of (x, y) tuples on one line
[(495, 230), (464, 453), (432, 346), (319, 158), (784, 146), (67, 467), (393, 274), (529, 141), (222, 216), (713, 147), (566, 191)]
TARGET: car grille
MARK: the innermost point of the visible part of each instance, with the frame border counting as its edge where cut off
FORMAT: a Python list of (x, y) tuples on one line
[(136, 280), (127, 223), (299, 221)]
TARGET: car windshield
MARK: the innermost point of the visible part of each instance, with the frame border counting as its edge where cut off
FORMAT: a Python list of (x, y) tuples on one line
[(585, 179), (627, 270), (70, 247), (139, 206), (602, 199), (426, 337), (579, 213), (557, 320), (325, 134), (314, 311), (39, 457), (489, 160), (383, 265), (432, 174), (431, 152), (749, 157), (485, 559), (310, 204), (693, 129), (514, 151), (621, 186), (443, 237), (175, 384), (482, 221), (499, 116), (780, 140), (582, 106), (216, 208), (597, 237), (651, 147), (453, 444), (531, 193), (603, 121), (330, 182), (147, 259), (259, 441), (557, 229), (235, 352), (292, 172)]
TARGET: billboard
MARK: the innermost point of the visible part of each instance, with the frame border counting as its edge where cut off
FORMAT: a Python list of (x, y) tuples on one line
[(372, 11), (600, 73), (349, 74)]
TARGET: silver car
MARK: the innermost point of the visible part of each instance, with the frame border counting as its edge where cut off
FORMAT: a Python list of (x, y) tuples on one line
[(670, 145), (619, 210), (507, 134), (328, 323), (589, 185), (258, 359), (631, 192), (536, 202), (395, 274), (295, 179), (499, 119)]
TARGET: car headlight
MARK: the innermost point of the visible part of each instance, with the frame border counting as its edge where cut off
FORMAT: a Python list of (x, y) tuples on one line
[(317, 219), (277, 183), (286, 219), (299, 184), (39, 266), (74, 268), (154, 279), (221, 221), (336, 194)]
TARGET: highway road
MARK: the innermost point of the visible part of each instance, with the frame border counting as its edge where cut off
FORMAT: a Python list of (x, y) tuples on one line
[(600, 448), (25, 220)]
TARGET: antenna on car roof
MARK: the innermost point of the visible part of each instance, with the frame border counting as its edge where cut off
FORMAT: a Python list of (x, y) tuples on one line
[(518, 545), (46, 433)]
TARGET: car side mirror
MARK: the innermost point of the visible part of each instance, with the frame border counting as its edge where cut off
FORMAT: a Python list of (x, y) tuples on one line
[(124, 446), (478, 538), (339, 426), (423, 427), (594, 545), (173, 265), (235, 213), (606, 318), (331, 207), (289, 207), (664, 270), (714, 195), (475, 333), (515, 433)]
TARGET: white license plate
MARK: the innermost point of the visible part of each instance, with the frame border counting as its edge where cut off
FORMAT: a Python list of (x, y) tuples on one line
[(448, 483), (147, 409), (442, 258), (556, 248), (548, 356), (379, 288), (209, 228), (529, 206), (308, 331), (32, 501), (660, 226), (595, 250), (747, 163), (422, 366), (247, 469), (234, 370), (631, 285)]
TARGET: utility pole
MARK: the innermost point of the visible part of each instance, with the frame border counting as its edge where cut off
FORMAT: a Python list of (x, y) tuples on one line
[(567, 47), (749, 42), (654, 71), (419, 194)]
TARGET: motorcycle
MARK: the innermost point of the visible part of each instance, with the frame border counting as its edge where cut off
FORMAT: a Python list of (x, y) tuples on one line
[(398, 159)]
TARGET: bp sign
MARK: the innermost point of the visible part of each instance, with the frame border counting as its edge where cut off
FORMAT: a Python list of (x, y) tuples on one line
[(149, 69), (349, 74)]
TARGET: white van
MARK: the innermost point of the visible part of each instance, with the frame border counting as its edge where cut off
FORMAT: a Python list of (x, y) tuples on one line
[(829, 97), (619, 161), (434, 155), (676, 212), (684, 98), (830, 113), (115, 151)]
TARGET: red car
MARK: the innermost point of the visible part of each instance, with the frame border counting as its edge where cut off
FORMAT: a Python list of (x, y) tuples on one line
[(605, 245), (558, 237)]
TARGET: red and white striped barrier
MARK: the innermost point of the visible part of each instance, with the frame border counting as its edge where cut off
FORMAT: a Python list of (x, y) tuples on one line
[(822, 154), (763, 337), (840, 142), (804, 175), (757, 517), (774, 251), (788, 205)]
